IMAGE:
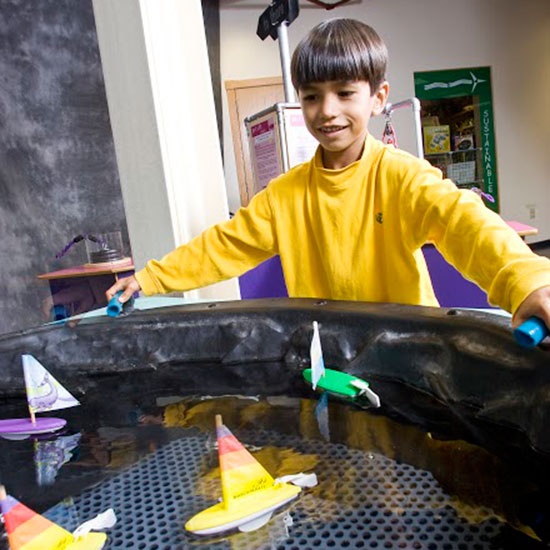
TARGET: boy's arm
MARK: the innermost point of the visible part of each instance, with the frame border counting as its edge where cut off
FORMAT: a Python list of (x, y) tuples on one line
[(222, 251), (537, 304), (475, 240)]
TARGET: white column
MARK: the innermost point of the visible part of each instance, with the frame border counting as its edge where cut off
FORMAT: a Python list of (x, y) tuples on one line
[(161, 105)]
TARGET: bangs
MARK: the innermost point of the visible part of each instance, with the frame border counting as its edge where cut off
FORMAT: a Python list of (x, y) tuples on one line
[(332, 65), (340, 50)]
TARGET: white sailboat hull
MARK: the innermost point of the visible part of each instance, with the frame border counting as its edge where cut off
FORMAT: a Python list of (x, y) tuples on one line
[(246, 523)]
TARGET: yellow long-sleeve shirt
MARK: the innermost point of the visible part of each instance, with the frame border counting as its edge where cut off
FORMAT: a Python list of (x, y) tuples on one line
[(356, 233)]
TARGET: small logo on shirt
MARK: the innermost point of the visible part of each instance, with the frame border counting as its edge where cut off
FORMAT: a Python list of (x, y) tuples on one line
[(379, 217)]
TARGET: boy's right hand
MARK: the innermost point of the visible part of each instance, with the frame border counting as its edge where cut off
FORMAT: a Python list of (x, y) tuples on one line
[(128, 285)]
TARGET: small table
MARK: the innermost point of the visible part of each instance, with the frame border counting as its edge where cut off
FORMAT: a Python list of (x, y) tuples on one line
[(522, 229), (82, 288)]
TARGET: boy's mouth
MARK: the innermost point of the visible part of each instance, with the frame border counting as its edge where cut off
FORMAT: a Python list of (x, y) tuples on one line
[(330, 129)]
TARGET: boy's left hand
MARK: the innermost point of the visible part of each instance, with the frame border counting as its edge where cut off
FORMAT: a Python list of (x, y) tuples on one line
[(537, 304)]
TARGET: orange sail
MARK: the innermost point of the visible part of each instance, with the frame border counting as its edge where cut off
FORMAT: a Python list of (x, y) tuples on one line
[(241, 473), (28, 530), (250, 494)]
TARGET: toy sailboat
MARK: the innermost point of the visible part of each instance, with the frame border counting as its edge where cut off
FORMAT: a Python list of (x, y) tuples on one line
[(336, 383), (44, 393), (28, 530), (250, 494)]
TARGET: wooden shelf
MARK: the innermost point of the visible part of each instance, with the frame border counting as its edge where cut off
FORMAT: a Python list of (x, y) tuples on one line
[(89, 270)]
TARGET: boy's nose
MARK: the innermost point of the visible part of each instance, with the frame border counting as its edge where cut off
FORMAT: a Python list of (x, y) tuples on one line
[(329, 107)]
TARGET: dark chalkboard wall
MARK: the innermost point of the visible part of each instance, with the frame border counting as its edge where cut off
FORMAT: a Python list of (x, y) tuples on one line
[(58, 172)]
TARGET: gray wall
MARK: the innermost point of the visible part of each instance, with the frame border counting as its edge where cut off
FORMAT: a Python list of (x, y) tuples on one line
[(58, 172)]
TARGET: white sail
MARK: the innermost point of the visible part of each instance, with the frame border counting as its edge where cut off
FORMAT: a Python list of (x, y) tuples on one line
[(44, 392), (316, 356)]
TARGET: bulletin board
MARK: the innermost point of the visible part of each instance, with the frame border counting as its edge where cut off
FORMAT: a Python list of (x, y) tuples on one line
[(458, 127)]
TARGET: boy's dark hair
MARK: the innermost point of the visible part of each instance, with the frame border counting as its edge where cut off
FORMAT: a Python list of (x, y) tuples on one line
[(340, 50)]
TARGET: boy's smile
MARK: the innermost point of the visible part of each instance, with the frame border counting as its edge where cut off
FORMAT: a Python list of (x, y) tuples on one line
[(337, 114)]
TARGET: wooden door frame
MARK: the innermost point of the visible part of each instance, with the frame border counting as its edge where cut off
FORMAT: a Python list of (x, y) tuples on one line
[(242, 152)]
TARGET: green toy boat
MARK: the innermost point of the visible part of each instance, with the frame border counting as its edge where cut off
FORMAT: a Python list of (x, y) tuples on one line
[(344, 386), (336, 383)]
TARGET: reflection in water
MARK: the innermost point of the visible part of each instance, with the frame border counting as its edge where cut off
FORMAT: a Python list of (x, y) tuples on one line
[(51, 454), (480, 485), (152, 455), (321, 413)]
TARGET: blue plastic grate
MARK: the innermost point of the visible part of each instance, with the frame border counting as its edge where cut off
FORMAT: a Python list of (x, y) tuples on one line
[(363, 500)]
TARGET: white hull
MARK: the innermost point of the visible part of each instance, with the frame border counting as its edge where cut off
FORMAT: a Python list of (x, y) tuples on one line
[(246, 523)]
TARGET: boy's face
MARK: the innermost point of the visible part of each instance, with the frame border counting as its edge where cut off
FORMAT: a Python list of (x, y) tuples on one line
[(337, 115)]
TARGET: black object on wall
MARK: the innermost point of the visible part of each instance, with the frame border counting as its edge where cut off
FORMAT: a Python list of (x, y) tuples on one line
[(211, 16), (58, 171)]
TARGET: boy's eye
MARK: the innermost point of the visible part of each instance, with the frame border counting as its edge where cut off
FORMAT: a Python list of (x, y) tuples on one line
[(309, 97), (346, 93)]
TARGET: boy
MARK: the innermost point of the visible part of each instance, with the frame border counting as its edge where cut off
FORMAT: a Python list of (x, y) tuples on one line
[(349, 224)]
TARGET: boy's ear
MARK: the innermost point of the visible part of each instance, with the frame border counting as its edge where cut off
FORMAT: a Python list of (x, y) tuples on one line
[(381, 97)]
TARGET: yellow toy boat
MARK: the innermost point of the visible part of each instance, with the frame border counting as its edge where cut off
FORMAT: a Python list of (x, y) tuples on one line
[(28, 530), (250, 494)]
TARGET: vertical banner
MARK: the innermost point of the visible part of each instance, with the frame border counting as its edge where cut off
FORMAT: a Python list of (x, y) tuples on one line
[(457, 106)]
